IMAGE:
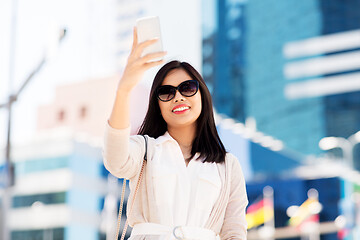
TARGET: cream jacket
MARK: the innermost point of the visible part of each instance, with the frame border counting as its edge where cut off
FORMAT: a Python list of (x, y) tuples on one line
[(123, 157)]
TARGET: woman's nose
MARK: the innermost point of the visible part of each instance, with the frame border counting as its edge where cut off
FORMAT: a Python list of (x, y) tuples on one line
[(178, 97)]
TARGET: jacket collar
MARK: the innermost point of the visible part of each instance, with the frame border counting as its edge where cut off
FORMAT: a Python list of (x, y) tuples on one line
[(164, 138), (168, 138)]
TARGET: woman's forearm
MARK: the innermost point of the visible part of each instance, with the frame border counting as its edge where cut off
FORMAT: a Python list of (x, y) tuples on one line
[(120, 114)]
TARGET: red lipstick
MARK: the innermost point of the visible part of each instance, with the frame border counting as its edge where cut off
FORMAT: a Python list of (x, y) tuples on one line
[(180, 108)]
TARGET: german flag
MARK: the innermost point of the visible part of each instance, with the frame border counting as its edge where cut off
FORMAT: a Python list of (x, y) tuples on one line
[(259, 213)]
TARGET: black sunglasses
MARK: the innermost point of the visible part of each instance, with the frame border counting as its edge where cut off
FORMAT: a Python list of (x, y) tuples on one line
[(187, 88)]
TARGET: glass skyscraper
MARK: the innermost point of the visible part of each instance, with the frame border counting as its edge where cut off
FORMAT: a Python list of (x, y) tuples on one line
[(223, 59), (288, 64)]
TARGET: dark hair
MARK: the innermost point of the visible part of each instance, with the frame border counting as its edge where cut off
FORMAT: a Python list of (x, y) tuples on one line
[(207, 141)]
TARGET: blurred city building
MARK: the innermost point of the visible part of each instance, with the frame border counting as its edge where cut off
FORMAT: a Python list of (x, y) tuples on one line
[(250, 63), (224, 55), (59, 188), (127, 13), (291, 65), (266, 161), (291, 69), (78, 107), (261, 157), (84, 107), (60, 180)]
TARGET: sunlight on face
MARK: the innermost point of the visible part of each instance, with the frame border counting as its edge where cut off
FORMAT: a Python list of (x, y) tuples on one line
[(181, 111)]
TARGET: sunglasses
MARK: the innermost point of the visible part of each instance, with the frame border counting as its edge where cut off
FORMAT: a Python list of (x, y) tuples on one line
[(187, 88)]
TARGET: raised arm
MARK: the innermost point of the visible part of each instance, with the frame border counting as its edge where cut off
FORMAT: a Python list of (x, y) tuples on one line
[(133, 73), (122, 155)]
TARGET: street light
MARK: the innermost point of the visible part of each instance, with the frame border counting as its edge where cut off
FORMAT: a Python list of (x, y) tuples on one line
[(9, 166), (345, 144)]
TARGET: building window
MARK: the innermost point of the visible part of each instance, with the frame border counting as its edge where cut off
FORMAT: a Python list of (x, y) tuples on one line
[(39, 234), (83, 112), (61, 116), (207, 69), (207, 50), (39, 165), (47, 198)]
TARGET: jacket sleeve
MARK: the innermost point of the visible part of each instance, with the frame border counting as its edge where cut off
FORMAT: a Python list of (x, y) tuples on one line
[(122, 154), (235, 226)]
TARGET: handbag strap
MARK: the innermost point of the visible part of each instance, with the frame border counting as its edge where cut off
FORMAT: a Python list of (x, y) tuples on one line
[(123, 194)]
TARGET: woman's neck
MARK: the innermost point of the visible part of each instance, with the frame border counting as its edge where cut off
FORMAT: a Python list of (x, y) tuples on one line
[(184, 137)]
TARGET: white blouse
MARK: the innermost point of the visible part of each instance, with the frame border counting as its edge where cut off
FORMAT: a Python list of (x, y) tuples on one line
[(185, 195), (202, 195)]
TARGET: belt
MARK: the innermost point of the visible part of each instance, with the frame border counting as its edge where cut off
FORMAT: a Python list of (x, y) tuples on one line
[(178, 232)]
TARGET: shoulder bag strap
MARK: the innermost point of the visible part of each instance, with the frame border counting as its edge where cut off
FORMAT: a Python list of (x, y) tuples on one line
[(123, 194)]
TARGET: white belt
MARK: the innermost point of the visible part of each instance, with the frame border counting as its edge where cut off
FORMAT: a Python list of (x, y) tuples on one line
[(178, 232)]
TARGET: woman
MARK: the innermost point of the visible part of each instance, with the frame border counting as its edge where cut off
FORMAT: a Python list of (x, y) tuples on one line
[(191, 188)]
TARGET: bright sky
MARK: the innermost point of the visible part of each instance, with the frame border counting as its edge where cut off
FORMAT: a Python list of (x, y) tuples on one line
[(35, 23), (86, 52)]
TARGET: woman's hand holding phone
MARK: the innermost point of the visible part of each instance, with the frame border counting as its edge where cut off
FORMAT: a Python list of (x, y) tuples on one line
[(133, 73), (138, 64)]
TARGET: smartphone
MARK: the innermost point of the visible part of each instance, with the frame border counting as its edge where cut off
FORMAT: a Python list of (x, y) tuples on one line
[(149, 28)]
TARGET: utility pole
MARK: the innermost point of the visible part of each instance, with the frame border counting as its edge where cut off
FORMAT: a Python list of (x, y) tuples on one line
[(9, 166)]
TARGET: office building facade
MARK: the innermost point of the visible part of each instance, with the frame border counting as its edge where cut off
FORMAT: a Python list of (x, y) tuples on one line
[(59, 190), (298, 80)]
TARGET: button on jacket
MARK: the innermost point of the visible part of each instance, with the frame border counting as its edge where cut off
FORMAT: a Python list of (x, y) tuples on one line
[(207, 195)]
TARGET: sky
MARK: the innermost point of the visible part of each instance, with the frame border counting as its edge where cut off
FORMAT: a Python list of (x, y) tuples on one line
[(34, 28), (87, 51)]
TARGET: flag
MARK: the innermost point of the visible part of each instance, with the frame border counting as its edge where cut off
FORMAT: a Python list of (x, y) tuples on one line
[(306, 213), (343, 233), (259, 213)]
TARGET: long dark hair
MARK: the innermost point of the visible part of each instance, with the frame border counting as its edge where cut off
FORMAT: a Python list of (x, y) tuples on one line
[(207, 141)]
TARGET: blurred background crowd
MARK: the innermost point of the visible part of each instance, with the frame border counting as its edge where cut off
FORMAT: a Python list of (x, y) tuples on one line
[(285, 81)]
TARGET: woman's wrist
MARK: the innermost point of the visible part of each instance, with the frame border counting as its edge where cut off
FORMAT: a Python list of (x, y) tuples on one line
[(124, 90)]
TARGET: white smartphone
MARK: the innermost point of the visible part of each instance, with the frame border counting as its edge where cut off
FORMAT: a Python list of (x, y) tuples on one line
[(149, 28)]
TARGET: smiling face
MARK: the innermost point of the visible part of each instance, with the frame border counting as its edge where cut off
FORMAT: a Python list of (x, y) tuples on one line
[(180, 111)]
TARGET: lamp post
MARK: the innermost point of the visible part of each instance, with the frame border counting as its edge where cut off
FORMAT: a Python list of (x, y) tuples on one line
[(345, 144), (9, 166)]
